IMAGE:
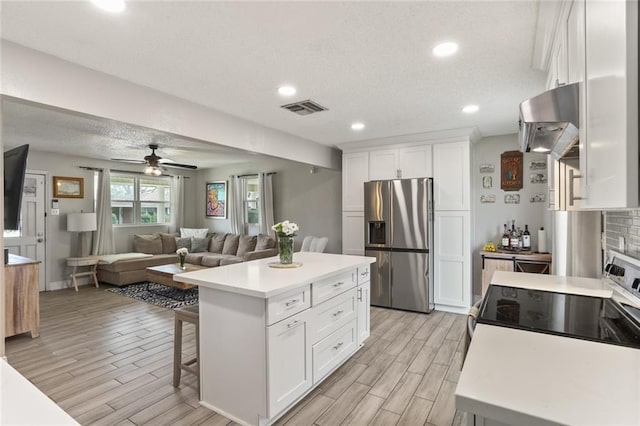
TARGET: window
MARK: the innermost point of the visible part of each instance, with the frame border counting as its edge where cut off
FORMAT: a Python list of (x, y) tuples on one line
[(140, 200)]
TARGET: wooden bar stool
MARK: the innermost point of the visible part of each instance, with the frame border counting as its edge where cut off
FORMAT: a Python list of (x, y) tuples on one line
[(189, 314)]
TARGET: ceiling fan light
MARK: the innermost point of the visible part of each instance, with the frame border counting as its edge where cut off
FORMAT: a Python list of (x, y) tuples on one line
[(152, 171)]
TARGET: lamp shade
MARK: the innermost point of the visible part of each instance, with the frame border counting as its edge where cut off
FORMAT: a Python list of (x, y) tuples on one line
[(80, 222)]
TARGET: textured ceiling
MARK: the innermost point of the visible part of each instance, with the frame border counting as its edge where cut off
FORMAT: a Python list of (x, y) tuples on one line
[(366, 61)]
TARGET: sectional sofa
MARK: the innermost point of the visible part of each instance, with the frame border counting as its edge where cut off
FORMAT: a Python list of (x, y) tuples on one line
[(217, 249)]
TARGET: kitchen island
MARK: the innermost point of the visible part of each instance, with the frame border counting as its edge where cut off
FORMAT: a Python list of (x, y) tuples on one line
[(270, 335), (517, 377)]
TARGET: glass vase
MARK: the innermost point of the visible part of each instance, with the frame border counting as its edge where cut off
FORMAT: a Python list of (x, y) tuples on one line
[(285, 250), (182, 259)]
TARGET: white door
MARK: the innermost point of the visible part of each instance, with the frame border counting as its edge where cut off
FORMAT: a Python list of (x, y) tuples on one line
[(355, 172), (29, 240)]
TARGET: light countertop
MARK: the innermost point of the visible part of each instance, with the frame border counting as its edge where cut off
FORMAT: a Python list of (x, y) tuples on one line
[(526, 378), (256, 278), (570, 285), (21, 403)]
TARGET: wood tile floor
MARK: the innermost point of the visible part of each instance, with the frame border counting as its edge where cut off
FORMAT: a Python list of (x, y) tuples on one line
[(106, 359)]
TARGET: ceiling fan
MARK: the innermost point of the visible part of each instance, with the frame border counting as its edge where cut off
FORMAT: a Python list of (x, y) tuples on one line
[(153, 163)]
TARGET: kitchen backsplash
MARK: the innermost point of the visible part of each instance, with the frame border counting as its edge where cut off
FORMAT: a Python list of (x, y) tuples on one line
[(623, 224)]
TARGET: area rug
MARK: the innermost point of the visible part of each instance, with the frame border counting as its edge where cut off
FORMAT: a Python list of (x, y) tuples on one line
[(158, 294)]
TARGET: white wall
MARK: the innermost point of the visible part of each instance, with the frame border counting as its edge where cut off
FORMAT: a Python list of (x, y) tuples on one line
[(60, 243), (490, 218), (313, 201)]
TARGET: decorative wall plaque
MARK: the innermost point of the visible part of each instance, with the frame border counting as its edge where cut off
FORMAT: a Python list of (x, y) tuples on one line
[(511, 171)]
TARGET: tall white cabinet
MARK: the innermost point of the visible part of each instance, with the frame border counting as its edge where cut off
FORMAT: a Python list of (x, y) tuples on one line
[(447, 159)]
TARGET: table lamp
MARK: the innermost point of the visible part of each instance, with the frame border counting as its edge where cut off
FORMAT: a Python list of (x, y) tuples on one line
[(81, 223)]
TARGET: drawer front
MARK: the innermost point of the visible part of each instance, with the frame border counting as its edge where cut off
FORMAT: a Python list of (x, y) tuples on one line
[(363, 274), (326, 289), (287, 304), (333, 314), (330, 352)]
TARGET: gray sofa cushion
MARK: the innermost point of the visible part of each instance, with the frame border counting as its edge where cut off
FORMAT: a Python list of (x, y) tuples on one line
[(195, 258), (231, 244), (199, 245), (148, 244), (168, 243), (139, 264), (265, 242), (246, 244), (183, 243), (213, 260), (217, 242), (230, 260)]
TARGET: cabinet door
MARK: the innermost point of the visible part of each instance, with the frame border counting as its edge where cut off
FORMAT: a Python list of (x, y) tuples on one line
[(353, 233), (355, 172), (415, 162), (383, 164), (451, 182), (452, 259), (289, 361), (364, 312), (490, 266), (609, 152), (575, 42)]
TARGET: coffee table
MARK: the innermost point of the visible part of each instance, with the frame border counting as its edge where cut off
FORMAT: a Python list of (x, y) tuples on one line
[(164, 274)]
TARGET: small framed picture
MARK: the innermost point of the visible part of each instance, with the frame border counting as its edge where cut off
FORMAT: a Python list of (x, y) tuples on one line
[(538, 197), (68, 187), (487, 168), (487, 182), (538, 165), (538, 178), (512, 199), (217, 199), (488, 199)]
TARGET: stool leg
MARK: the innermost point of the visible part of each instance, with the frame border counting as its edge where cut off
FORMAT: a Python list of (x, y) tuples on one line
[(177, 352), (198, 353)]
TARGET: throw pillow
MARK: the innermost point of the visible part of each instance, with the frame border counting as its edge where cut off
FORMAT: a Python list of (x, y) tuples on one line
[(183, 243), (199, 245), (148, 244), (265, 242), (217, 242), (246, 244), (168, 243), (193, 232), (231, 244)]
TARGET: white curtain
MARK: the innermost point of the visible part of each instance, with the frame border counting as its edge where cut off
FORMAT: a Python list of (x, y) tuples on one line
[(236, 206), (265, 204), (177, 204), (103, 241)]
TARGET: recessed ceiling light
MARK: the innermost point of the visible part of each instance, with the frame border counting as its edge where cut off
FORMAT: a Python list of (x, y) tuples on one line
[(470, 109), (286, 90), (113, 6), (447, 48), (541, 149), (357, 126)]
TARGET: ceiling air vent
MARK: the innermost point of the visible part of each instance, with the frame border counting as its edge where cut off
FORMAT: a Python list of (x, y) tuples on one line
[(304, 107)]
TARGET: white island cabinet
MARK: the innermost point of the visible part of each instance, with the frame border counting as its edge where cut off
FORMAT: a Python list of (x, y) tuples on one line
[(268, 335)]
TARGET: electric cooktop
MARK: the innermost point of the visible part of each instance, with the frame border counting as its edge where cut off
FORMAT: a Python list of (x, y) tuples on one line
[(582, 317)]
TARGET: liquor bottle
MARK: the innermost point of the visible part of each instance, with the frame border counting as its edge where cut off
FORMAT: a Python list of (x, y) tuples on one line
[(514, 236), (526, 238), (505, 238)]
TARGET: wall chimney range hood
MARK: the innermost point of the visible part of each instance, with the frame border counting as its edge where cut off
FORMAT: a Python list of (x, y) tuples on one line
[(549, 122)]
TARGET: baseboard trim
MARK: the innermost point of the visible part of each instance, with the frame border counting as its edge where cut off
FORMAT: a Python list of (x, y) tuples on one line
[(61, 285), (453, 309)]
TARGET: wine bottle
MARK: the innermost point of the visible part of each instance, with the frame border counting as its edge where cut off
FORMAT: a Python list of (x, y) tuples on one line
[(514, 236), (526, 238), (505, 238)]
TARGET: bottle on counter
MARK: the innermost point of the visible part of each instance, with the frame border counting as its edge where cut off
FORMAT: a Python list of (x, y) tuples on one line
[(514, 242), (526, 238), (505, 238)]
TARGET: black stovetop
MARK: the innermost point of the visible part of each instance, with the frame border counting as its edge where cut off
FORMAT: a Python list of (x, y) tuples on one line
[(583, 317)]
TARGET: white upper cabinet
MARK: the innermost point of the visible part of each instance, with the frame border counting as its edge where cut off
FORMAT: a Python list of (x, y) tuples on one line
[(400, 163), (451, 176), (575, 39), (355, 172)]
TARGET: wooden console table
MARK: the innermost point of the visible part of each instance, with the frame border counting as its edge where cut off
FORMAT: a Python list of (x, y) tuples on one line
[(22, 296), (537, 263)]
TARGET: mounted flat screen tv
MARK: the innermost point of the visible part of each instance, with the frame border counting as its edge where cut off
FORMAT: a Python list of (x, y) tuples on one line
[(15, 166)]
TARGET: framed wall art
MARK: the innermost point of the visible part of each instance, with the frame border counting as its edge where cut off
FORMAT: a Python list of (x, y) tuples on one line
[(68, 187), (217, 199), (511, 171), (486, 168)]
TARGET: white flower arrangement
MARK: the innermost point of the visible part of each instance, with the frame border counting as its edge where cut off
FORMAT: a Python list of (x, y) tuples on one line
[(285, 229), (182, 251)]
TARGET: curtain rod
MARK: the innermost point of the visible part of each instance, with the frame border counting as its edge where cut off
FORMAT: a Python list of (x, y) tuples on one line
[(253, 174), (98, 169)]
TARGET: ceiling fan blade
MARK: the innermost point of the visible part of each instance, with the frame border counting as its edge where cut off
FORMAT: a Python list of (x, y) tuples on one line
[(124, 160), (181, 166)]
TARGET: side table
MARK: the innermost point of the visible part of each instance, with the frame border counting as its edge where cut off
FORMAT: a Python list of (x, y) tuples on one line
[(76, 262)]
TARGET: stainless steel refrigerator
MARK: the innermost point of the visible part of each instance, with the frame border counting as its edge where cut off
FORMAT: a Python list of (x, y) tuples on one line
[(399, 234)]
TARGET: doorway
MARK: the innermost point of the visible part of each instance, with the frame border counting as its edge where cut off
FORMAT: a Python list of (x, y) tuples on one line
[(30, 240)]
